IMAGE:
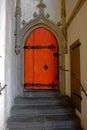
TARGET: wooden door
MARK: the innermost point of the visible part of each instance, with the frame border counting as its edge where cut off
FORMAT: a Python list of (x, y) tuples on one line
[(75, 75), (41, 60)]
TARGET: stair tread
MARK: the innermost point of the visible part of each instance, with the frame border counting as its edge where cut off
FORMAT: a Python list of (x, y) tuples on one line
[(78, 128), (41, 98), (42, 90), (41, 118), (43, 122), (44, 99), (41, 93), (42, 107), (41, 110), (49, 129)]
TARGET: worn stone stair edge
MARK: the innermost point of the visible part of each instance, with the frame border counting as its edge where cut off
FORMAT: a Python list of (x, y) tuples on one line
[(34, 111), (28, 100), (49, 129), (49, 122)]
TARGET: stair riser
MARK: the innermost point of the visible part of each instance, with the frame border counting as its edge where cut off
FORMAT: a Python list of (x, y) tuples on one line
[(42, 94), (31, 113), (49, 129), (46, 125), (40, 102)]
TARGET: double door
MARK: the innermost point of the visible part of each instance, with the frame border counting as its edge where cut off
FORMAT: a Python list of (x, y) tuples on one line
[(41, 60)]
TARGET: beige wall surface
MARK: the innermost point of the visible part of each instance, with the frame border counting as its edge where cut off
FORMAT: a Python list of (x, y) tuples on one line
[(70, 4), (78, 30)]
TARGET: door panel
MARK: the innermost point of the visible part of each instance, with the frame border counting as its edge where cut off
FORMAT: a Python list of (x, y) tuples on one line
[(28, 62), (75, 75), (44, 65)]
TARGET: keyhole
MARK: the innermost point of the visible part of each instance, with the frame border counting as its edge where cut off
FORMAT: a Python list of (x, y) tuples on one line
[(45, 67)]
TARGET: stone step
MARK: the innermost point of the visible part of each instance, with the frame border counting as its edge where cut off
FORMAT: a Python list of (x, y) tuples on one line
[(41, 93), (41, 110), (78, 128), (41, 101), (43, 122)]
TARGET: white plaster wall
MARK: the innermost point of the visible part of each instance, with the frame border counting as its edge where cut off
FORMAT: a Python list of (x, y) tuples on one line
[(29, 7), (2, 52), (78, 30), (10, 58)]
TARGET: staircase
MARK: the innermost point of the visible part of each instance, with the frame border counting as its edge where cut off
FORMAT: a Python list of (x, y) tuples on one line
[(43, 110)]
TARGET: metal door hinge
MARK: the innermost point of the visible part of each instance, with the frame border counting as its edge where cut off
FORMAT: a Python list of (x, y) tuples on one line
[(40, 47), (40, 84)]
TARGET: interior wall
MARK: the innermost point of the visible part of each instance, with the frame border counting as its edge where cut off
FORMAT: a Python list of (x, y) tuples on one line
[(70, 4), (78, 30), (2, 58), (28, 7), (10, 58)]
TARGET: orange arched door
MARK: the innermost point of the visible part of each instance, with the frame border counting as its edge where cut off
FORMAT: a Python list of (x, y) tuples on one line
[(41, 60)]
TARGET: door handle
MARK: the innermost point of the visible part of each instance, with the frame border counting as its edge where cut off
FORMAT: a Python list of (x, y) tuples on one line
[(77, 95), (73, 74), (45, 67), (56, 54)]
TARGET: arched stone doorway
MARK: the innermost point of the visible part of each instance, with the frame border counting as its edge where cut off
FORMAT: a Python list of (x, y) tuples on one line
[(40, 21), (41, 60)]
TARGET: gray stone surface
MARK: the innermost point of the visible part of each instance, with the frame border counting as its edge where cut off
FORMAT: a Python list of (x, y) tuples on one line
[(43, 113)]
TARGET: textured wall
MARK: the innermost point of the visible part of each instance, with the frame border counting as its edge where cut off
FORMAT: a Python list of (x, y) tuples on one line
[(70, 4), (2, 52), (78, 30), (10, 58)]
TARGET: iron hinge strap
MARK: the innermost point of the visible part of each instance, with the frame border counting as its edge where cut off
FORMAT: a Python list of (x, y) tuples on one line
[(40, 47), (40, 85)]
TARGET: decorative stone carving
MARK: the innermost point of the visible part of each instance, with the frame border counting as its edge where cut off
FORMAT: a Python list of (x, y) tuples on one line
[(17, 26), (24, 22), (35, 15), (59, 24), (17, 49), (41, 7), (18, 12), (48, 15)]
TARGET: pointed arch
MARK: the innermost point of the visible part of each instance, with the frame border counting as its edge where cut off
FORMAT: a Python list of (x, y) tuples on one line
[(41, 22)]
